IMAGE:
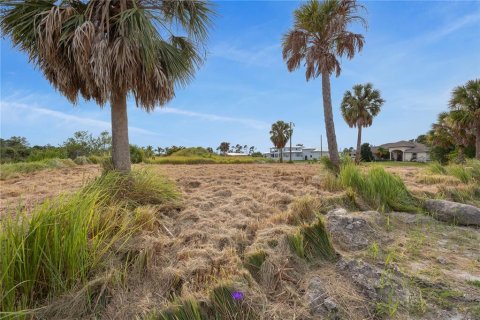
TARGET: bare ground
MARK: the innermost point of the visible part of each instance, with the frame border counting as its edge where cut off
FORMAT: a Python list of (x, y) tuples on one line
[(231, 210)]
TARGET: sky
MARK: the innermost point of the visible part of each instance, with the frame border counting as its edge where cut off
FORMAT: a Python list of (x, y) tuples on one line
[(415, 53)]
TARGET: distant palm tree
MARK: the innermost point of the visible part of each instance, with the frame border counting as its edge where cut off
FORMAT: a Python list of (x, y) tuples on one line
[(359, 108), (319, 37), (224, 147), (465, 103), (279, 135), (106, 50), (448, 130)]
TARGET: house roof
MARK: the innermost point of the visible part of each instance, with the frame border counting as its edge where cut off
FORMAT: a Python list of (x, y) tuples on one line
[(412, 146), (399, 144)]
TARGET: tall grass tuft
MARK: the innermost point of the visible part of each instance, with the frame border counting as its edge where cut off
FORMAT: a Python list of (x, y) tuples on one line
[(254, 261), (64, 242), (380, 189), (229, 304), (436, 168), (312, 241), (460, 172), (186, 310)]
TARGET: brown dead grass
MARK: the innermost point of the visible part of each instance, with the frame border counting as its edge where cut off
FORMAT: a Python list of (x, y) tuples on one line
[(229, 211)]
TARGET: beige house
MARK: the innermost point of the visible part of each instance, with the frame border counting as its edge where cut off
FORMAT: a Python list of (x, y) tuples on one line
[(407, 151)]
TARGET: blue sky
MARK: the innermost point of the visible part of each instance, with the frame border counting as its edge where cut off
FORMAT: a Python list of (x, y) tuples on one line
[(415, 53)]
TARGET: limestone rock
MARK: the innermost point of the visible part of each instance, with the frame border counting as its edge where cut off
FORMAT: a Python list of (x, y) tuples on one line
[(453, 212), (348, 231)]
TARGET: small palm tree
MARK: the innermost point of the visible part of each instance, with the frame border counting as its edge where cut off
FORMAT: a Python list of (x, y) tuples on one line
[(465, 103), (279, 135), (359, 108), (319, 38), (106, 50)]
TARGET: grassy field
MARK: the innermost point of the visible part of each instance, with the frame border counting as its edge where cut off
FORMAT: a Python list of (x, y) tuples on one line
[(227, 240)]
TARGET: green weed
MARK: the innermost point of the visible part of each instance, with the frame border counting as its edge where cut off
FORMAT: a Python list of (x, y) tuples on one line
[(10, 170)]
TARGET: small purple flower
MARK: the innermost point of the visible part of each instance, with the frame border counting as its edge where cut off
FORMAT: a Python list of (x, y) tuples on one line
[(237, 295)]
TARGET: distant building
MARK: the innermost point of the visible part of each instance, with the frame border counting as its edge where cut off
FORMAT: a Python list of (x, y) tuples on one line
[(236, 154), (405, 151), (298, 153)]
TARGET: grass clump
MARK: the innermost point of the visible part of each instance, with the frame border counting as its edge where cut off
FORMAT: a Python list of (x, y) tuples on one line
[(229, 304), (186, 310), (436, 168), (379, 188), (461, 172), (303, 210), (254, 261), (312, 242), (475, 283), (10, 170), (64, 243)]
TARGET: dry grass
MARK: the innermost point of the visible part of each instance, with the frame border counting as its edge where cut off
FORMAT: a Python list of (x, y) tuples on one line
[(232, 230)]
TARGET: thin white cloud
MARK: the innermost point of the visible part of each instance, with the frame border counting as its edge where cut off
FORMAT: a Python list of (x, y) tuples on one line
[(6, 106), (256, 124), (261, 56)]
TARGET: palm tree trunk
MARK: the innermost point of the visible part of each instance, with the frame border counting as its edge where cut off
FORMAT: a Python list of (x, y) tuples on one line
[(461, 154), (281, 155), (359, 144), (120, 145), (477, 142), (329, 124)]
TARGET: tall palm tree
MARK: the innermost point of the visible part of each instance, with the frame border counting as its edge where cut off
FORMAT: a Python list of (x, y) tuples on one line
[(106, 50), (359, 108), (279, 135), (466, 99), (319, 38)]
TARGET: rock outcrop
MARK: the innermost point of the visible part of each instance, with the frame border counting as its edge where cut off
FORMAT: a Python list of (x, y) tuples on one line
[(453, 212), (348, 231)]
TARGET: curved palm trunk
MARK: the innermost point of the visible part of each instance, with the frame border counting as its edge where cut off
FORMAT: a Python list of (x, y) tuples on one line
[(120, 145), (477, 142), (359, 144), (329, 125)]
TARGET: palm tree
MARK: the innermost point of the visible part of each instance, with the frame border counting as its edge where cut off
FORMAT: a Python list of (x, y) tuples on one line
[(449, 131), (224, 147), (466, 99), (106, 50), (359, 108), (279, 135), (319, 38)]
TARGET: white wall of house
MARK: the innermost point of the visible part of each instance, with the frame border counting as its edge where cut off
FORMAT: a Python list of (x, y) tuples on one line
[(298, 153)]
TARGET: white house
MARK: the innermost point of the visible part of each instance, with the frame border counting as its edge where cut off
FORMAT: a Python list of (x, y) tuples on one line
[(299, 152), (406, 151)]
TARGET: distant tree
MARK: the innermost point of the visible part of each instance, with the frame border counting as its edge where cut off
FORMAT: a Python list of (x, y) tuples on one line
[(359, 108), (224, 147), (318, 40), (256, 154), (81, 144), (465, 105), (366, 152), (209, 150), (105, 141), (422, 139), (159, 151), (382, 153), (149, 152), (137, 154), (251, 150), (279, 135), (238, 148)]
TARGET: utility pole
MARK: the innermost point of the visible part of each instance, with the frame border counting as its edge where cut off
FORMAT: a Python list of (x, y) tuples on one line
[(321, 146), (291, 133)]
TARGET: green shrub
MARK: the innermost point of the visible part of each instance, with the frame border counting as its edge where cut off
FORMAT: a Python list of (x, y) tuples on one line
[(61, 244), (137, 155), (48, 153), (81, 160)]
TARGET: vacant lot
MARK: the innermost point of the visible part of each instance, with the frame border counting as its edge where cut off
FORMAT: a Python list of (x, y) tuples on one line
[(231, 211)]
